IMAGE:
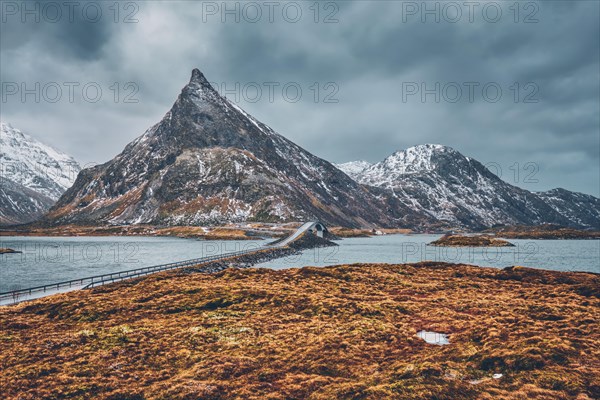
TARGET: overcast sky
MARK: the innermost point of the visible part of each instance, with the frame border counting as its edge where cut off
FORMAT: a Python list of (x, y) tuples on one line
[(387, 73)]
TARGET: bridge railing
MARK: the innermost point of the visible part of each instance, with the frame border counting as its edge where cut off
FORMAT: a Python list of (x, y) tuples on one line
[(99, 280)]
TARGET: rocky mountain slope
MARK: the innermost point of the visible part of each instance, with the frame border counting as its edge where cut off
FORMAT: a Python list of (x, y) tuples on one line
[(19, 204), (208, 161), (440, 182), (33, 176), (583, 209)]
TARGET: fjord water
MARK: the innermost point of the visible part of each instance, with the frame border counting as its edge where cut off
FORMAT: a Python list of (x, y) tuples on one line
[(51, 259), (559, 255), (47, 260)]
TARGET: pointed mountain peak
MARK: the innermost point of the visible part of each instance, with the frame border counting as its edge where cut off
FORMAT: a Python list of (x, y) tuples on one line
[(202, 117), (198, 76), (199, 79), (199, 87)]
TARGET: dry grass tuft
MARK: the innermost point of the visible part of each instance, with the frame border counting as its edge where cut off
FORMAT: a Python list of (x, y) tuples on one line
[(319, 333)]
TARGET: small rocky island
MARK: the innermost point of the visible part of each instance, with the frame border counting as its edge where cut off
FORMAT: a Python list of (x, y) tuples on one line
[(7, 251), (449, 240)]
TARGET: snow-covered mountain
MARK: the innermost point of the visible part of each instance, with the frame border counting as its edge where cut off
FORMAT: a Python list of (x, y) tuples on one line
[(208, 161), (441, 182), (35, 165), (33, 176), (353, 168), (414, 160)]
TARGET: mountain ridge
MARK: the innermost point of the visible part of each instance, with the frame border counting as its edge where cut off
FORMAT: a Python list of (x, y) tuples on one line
[(210, 162), (440, 181)]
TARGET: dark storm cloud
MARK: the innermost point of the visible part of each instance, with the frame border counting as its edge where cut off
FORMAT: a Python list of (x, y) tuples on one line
[(372, 50), (83, 40), (67, 32)]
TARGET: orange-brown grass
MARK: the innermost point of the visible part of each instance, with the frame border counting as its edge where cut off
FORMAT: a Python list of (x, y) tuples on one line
[(221, 233), (563, 233), (350, 232), (217, 233), (181, 231), (344, 332), (228, 234), (470, 241), (392, 231), (544, 231), (80, 230)]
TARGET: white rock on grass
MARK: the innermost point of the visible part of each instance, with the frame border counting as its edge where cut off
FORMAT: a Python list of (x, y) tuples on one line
[(439, 339)]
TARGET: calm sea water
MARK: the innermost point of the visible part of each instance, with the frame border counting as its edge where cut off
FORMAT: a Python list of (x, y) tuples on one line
[(48, 260), (561, 255)]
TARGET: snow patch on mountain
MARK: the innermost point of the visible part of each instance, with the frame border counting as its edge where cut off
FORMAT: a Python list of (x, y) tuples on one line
[(584, 209), (353, 168), (414, 160)]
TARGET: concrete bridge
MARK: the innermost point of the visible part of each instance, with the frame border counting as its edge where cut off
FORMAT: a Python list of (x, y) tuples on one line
[(315, 227), (17, 296)]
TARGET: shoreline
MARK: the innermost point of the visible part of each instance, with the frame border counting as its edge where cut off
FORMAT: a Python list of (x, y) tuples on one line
[(259, 231), (183, 232), (260, 255)]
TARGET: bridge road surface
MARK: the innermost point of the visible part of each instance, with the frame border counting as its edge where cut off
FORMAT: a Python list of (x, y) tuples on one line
[(294, 235), (17, 296)]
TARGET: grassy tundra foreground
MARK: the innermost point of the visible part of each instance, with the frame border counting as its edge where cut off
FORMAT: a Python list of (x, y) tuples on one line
[(323, 333)]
